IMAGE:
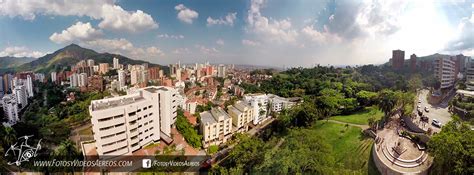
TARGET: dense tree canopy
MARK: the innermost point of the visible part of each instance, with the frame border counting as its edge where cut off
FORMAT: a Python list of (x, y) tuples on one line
[(453, 149)]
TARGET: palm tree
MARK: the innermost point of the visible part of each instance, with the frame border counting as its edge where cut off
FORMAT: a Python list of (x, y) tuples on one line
[(9, 136)]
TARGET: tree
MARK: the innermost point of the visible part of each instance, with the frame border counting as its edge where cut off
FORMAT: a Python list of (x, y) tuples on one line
[(329, 102), (453, 148), (415, 82), (387, 101), (8, 136), (366, 98), (67, 151), (187, 130)]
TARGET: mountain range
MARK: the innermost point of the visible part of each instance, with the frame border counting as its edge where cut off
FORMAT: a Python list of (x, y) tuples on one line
[(67, 56), (10, 62)]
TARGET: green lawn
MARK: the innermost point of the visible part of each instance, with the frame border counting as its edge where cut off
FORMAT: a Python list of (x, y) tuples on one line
[(86, 131), (351, 149), (360, 117)]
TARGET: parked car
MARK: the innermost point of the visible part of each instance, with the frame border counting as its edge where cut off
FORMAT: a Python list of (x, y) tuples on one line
[(436, 123), (424, 118), (426, 109)]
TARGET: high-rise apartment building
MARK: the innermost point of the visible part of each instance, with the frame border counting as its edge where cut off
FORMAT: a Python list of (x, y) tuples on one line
[(127, 123), (73, 80), (82, 80), (444, 71), (242, 115), (29, 85), (221, 71), (398, 59), (10, 109), (2, 92), (122, 78), (21, 95), (90, 62), (154, 73), (54, 77), (116, 63), (413, 62), (216, 127), (470, 76), (103, 68)]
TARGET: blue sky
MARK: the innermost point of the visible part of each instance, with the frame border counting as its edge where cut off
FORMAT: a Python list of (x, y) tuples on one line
[(261, 32)]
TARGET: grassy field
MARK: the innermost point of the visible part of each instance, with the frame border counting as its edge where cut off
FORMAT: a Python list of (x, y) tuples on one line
[(351, 149), (360, 117)]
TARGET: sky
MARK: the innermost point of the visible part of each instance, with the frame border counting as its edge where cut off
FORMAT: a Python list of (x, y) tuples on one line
[(279, 33)]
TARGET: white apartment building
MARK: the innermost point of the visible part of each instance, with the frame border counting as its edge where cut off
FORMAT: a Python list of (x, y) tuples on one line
[(216, 127), (82, 80), (122, 78), (21, 95), (444, 72), (124, 124), (259, 105), (221, 71), (29, 86), (53, 76), (10, 109), (90, 62), (73, 80), (242, 115), (278, 103), (116, 63)]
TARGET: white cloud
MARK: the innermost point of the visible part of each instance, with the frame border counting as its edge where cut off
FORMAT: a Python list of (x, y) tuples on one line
[(77, 32), (170, 36), (220, 42), (124, 47), (250, 43), (186, 14), (180, 51), (227, 20), (319, 37), (20, 51), (207, 50), (112, 16), (269, 29), (115, 18)]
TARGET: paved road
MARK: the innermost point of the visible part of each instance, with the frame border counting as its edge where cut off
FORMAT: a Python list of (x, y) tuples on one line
[(439, 112)]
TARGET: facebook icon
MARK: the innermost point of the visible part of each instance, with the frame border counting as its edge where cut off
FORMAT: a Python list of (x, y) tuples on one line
[(146, 163)]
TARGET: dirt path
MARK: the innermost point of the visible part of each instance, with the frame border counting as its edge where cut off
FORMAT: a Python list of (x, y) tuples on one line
[(363, 127)]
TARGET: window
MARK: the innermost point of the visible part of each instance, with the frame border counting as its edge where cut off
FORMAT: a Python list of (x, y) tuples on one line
[(132, 114), (105, 119)]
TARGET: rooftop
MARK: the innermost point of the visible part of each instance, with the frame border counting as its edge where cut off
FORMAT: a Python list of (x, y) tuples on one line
[(206, 117), (466, 93), (115, 102)]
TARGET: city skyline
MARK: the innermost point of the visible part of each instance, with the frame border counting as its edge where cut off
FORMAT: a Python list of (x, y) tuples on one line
[(273, 33)]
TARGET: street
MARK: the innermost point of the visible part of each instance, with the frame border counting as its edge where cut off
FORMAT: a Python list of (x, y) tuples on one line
[(439, 112)]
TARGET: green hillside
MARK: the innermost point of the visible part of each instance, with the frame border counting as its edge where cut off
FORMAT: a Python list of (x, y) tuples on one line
[(9, 62), (72, 54)]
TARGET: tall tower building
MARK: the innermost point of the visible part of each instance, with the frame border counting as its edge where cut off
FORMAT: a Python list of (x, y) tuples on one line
[(398, 59), (29, 85), (53, 77), (444, 70), (221, 71), (73, 80), (116, 63), (413, 62), (10, 109), (21, 95), (122, 78)]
